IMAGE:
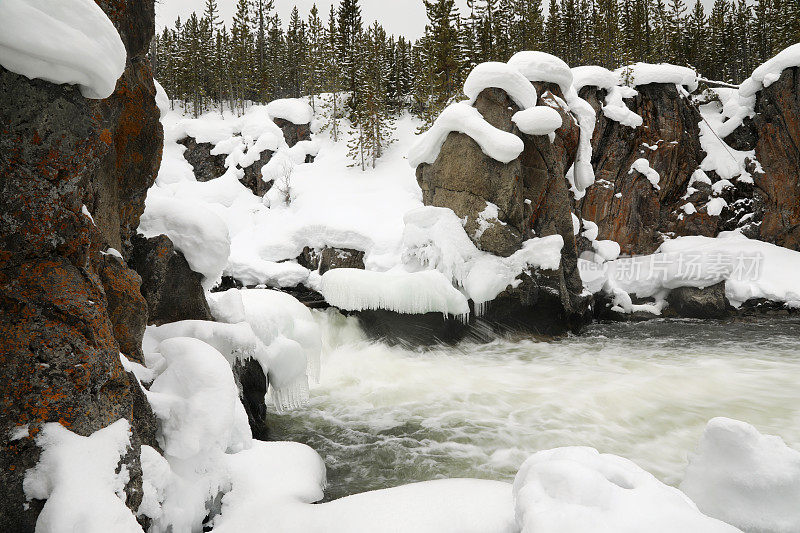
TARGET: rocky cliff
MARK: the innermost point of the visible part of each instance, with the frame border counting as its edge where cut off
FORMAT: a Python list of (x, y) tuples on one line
[(627, 207), (74, 174), (532, 199)]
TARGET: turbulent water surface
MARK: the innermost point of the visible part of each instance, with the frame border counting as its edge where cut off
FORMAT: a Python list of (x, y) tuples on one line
[(385, 416)]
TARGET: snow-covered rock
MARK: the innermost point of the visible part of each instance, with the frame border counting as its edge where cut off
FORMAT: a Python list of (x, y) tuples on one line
[(577, 490), (646, 73), (769, 72), (463, 118), (745, 478), (594, 76), (62, 42), (541, 66), (78, 477), (501, 76)]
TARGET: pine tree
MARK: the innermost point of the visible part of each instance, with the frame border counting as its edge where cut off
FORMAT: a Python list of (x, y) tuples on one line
[(445, 63), (241, 54), (315, 55), (676, 31), (349, 48)]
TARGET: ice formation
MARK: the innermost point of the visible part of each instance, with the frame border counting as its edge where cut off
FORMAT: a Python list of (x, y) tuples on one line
[(463, 118), (579, 490), (434, 238), (422, 292), (62, 42), (78, 478), (745, 478), (502, 76), (286, 329)]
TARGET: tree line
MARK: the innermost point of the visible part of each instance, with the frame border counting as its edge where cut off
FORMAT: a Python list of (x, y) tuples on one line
[(371, 75)]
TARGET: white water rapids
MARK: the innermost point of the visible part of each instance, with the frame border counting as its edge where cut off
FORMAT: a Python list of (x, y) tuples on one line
[(383, 416)]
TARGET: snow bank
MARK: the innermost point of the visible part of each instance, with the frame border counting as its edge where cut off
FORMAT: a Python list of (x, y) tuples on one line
[(198, 233), (77, 476), (594, 76), (745, 478), (402, 292), (768, 73), (581, 490), (62, 42), (288, 331), (196, 400), (541, 120), (294, 110), (646, 73), (642, 166), (501, 76), (750, 269), (463, 118)]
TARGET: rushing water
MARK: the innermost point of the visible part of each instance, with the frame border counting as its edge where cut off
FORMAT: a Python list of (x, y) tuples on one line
[(383, 416)]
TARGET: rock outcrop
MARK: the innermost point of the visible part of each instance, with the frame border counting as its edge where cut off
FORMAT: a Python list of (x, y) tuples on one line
[(73, 177), (777, 126), (172, 290), (532, 199), (329, 258), (206, 167), (624, 204)]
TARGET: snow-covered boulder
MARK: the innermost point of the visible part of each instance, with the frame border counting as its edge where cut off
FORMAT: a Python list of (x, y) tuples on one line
[(579, 490), (501, 167), (745, 478)]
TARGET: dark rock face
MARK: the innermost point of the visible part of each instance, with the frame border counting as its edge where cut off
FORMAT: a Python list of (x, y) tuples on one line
[(625, 206), (253, 178), (532, 197), (173, 291), (777, 123), (331, 258), (206, 166), (68, 310), (252, 384), (690, 302), (293, 133)]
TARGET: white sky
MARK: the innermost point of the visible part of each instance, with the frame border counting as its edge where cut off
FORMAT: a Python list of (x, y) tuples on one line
[(398, 17)]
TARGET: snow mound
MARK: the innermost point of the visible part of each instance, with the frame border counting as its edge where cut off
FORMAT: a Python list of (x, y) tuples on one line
[(294, 110), (62, 42), (745, 478), (594, 76), (288, 331), (768, 73), (197, 401), (616, 110), (751, 269), (646, 73), (579, 490), (197, 232), (642, 166), (541, 66), (501, 76), (77, 476), (541, 120), (462, 117), (423, 292)]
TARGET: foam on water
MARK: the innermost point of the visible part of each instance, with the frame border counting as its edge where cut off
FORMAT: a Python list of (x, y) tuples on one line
[(384, 416)]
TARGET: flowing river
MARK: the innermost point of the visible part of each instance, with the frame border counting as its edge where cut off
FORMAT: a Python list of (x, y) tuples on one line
[(384, 416)]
